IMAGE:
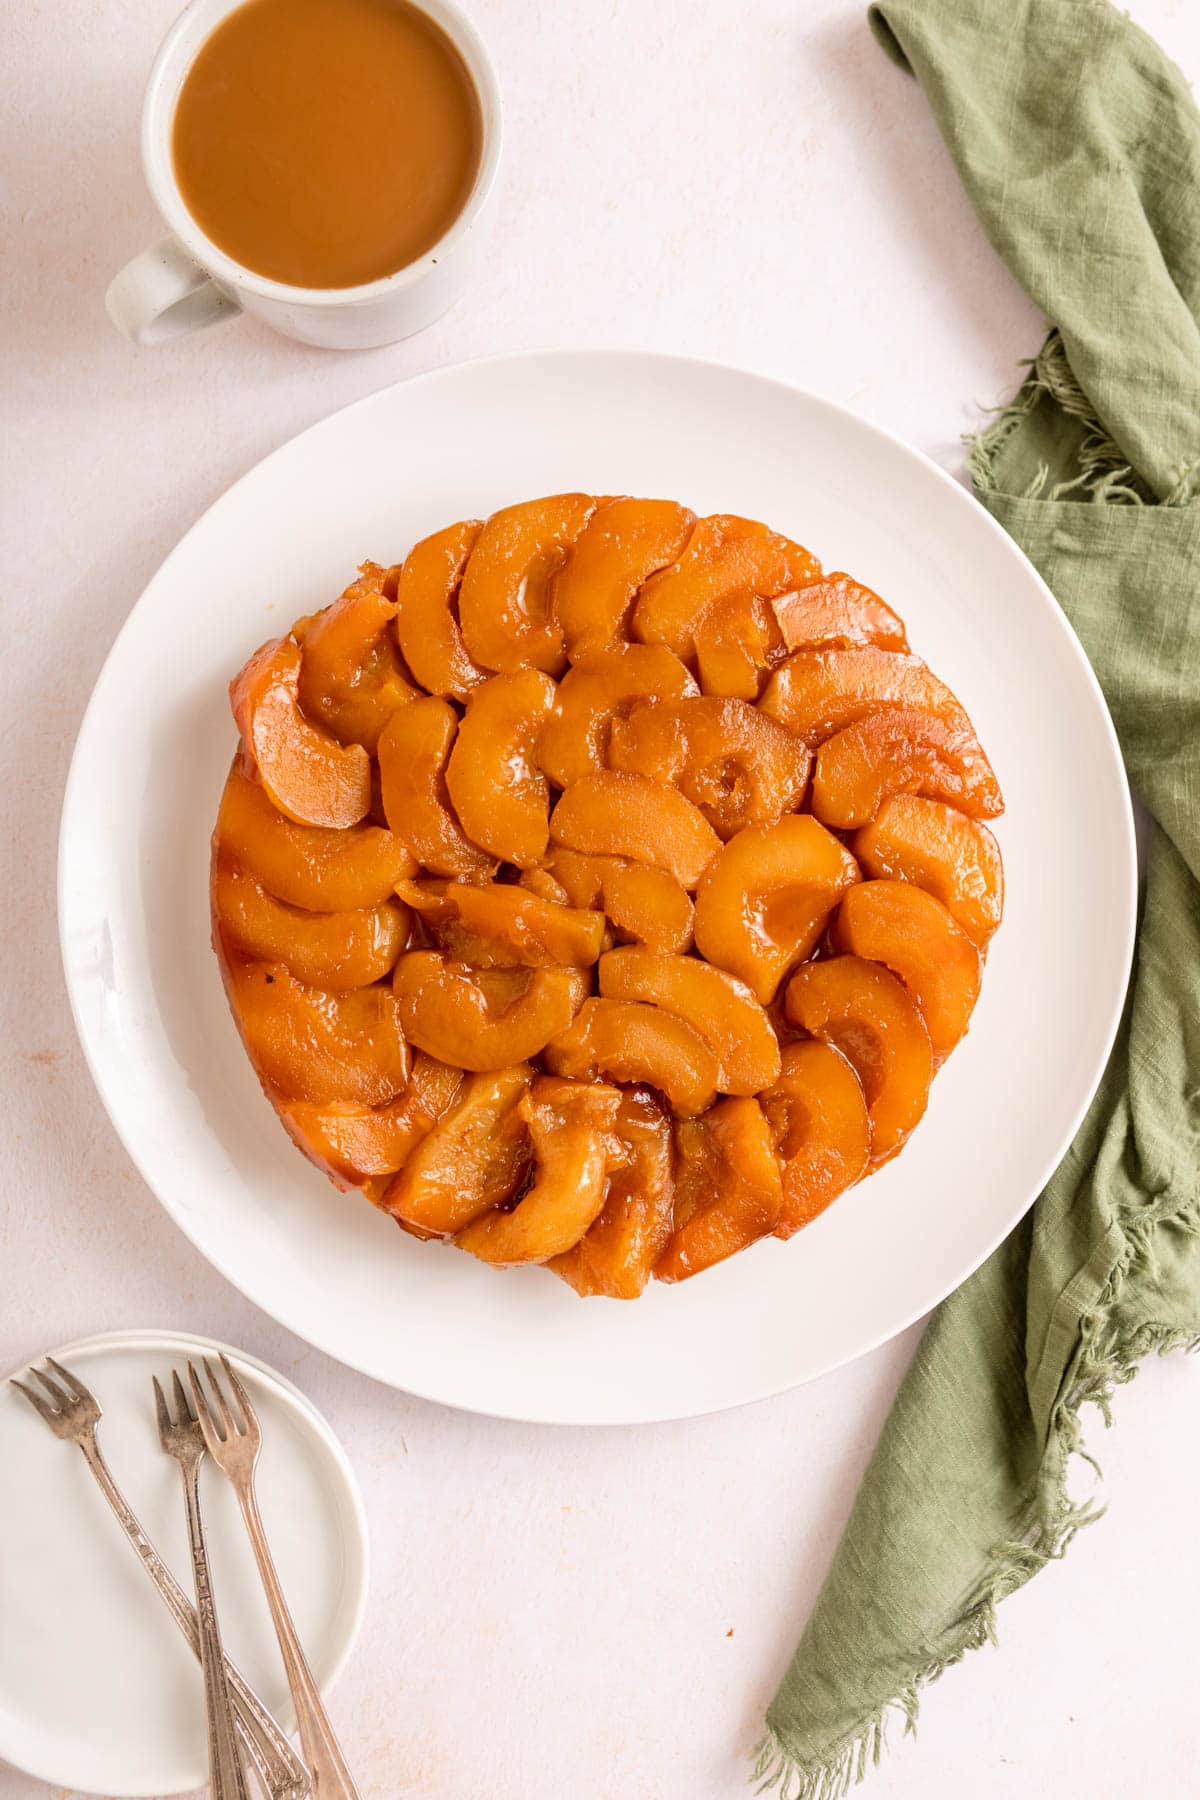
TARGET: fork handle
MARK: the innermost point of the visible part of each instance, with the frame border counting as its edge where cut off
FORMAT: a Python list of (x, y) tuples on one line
[(332, 1779), (279, 1768), (225, 1774)]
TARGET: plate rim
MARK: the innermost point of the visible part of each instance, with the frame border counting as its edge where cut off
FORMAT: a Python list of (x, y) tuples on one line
[(1129, 871), (149, 1338)]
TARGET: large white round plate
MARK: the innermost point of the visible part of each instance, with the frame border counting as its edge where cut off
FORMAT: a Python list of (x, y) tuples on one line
[(98, 1690), (156, 743)]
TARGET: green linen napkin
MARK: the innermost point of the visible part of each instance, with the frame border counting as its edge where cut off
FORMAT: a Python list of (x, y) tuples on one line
[(1079, 145)]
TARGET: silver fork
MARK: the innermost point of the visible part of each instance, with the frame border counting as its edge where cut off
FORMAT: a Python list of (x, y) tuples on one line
[(181, 1438), (233, 1438), (72, 1412)]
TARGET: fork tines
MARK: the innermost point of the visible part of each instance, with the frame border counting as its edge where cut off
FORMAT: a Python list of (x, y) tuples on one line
[(234, 1418), (69, 1406)]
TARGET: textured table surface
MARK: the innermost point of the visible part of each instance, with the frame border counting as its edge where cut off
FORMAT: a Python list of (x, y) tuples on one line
[(596, 1613)]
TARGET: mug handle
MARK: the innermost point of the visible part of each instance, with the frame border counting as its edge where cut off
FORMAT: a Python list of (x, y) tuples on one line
[(165, 293)]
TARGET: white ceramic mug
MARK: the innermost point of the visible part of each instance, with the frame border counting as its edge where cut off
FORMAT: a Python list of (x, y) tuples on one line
[(185, 282)]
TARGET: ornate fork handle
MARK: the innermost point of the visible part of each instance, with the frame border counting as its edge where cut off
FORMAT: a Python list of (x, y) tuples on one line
[(281, 1770), (224, 1763), (331, 1776)]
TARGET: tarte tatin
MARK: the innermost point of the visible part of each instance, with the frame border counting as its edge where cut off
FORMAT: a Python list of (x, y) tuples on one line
[(602, 886)]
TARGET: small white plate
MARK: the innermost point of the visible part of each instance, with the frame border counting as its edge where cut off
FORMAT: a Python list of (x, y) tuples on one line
[(152, 755), (98, 1689)]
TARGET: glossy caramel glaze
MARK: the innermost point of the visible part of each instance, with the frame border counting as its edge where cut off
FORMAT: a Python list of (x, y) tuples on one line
[(534, 898)]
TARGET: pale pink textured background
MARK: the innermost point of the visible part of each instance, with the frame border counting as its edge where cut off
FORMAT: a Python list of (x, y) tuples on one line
[(601, 1614)]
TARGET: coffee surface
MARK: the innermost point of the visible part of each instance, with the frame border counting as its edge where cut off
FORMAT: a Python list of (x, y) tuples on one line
[(325, 143)]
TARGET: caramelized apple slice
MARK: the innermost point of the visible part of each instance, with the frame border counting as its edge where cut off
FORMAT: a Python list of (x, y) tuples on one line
[(914, 936), (647, 906), (574, 1146), (350, 673), (334, 950), (306, 773), (632, 1042), (725, 555), (954, 858), (869, 1016), (642, 904), (818, 692), (719, 1008), (483, 1019), (354, 1144), (413, 750), (902, 752), (728, 1187), (474, 1158), (307, 1044), (323, 871), (427, 612), (617, 1253), (817, 1114), (542, 883), (500, 926), (623, 543), (504, 597), (593, 693), (837, 613), (613, 813), (737, 641), (580, 876), (500, 795), (739, 767), (765, 901), (375, 1188)]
